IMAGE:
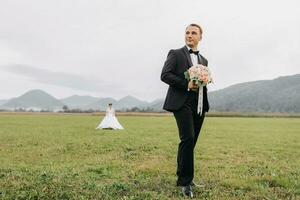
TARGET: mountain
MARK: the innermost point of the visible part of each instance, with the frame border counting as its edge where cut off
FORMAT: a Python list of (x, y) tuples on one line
[(278, 95), (3, 101), (77, 101), (130, 102), (102, 104), (39, 100), (35, 100), (157, 105), (123, 104)]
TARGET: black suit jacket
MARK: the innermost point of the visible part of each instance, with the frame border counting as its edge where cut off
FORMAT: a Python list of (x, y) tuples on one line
[(178, 61)]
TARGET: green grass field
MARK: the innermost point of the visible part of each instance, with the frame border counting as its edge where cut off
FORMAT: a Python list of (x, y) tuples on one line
[(64, 157)]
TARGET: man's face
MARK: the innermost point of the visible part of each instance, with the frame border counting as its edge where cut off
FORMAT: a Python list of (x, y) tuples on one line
[(192, 36)]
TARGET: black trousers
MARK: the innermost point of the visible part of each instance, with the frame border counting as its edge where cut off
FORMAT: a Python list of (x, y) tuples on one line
[(189, 124)]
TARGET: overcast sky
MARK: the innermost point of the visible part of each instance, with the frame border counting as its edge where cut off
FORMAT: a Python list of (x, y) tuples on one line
[(116, 48)]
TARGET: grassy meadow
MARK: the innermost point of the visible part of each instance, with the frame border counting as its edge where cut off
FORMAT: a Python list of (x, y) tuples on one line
[(64, 157)]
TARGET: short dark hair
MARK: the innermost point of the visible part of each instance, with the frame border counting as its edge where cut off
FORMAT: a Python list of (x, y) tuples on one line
[(198, 26), (110, 104)]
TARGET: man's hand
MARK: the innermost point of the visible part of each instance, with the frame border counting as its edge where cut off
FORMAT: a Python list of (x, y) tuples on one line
[(192, 86)]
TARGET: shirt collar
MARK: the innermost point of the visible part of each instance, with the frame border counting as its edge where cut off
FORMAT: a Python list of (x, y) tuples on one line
[(189, 48)]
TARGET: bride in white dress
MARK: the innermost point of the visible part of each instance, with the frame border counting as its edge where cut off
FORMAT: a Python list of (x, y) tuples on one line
[(110, 121)]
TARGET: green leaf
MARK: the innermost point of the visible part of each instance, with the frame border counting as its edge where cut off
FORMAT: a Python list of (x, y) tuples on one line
[(186, 75)]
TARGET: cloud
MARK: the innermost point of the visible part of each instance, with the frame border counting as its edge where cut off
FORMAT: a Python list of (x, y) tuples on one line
[(63, 79), (118, 47)]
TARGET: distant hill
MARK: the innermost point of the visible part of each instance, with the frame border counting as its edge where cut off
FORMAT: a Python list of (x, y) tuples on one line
[(130, 102), (122, 104), (35, 100), (77, 101), (157, 105), (278, 95), (40, 100), (3, 101), (101, 104)]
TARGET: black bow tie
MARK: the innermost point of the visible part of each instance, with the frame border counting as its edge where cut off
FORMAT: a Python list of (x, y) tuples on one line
[(194, 52)]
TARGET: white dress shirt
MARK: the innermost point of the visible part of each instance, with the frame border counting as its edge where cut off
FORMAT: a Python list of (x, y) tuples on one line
[(194, 57)]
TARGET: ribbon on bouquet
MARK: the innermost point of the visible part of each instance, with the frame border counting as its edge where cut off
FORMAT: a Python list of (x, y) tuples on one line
[(200, 100)]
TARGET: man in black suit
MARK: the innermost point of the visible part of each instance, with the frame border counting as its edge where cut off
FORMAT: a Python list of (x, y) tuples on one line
[(182, 100)]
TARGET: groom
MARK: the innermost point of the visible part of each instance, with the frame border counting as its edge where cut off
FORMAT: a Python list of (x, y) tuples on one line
[(182, 100)]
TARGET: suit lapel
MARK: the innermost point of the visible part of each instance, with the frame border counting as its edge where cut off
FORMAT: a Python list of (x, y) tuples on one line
[(202, 60), (187, 55)]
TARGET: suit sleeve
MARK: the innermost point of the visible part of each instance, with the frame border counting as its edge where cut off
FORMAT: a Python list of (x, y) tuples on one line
[(168, 74)]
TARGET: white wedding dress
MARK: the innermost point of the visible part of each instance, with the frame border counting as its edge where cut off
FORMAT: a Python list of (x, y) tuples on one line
[(110, 121)]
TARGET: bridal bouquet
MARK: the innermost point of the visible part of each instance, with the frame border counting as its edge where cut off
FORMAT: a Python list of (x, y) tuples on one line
[(199, 74)]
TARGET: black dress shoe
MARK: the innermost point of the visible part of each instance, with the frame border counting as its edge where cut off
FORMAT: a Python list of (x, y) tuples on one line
[(187, 191)]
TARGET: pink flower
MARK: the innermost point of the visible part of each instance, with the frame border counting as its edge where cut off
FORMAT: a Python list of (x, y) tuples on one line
[(199, 73)]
